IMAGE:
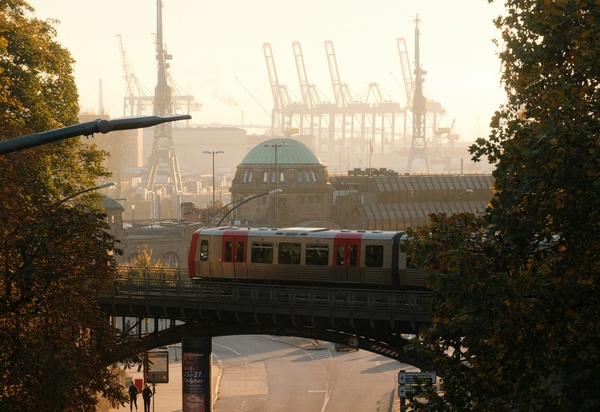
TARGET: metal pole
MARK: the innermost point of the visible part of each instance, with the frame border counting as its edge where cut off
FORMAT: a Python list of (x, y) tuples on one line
[(213, 153), (276, 145), (277, 191)]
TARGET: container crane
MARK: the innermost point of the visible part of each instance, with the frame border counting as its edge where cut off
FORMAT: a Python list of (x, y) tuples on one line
[(282, 104)]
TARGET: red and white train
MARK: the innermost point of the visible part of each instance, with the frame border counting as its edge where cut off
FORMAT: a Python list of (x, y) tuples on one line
[(302, 255)]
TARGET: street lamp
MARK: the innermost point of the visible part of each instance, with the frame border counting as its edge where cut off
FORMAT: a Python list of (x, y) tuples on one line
[(213, 153), (237, 204), (102, 186), (276, 146)]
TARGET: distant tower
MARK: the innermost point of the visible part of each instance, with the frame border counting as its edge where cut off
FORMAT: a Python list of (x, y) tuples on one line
[(418, 148), (163, 152)]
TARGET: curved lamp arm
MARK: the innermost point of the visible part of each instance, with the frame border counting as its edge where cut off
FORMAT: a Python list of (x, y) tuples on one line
[(238, 203), (109, 184)]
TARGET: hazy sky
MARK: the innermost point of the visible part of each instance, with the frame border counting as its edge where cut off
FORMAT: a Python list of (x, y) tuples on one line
[(213, 42)]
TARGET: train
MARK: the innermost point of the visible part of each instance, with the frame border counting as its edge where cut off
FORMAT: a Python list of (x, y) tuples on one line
[(302, 255)]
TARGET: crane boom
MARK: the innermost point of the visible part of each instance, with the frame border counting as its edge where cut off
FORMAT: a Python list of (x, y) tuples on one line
[(340, 90), (409, 85)]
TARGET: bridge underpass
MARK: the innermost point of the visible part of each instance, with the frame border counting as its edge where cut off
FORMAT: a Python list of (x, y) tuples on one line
[(374, 320)]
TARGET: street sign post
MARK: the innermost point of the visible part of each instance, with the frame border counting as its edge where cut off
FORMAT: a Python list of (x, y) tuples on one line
[(403, 391), (416, 378), (414, 383)]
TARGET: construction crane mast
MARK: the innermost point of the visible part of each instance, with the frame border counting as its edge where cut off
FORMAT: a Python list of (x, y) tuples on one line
[(418, 148), (163, 152)]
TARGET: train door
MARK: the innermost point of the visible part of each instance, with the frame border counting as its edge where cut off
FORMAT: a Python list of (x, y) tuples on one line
[(233, 257), (346, 265)]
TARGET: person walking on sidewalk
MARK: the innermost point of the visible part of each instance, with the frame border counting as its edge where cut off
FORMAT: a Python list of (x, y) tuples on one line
[(133, 393), (147, 394)]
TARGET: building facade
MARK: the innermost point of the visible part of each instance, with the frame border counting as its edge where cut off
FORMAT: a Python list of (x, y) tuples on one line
[(287, 165)]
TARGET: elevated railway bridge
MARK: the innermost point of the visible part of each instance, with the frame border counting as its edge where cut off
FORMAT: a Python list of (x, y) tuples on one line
[(377, 320)]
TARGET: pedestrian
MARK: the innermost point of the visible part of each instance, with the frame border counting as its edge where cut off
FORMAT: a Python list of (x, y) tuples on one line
[(133, 393), (147, 394)]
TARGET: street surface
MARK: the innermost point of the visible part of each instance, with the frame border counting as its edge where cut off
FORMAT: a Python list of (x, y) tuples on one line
[(270, 373)]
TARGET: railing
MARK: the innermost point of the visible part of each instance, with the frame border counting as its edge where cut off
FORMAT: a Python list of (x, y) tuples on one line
[(165, 285)]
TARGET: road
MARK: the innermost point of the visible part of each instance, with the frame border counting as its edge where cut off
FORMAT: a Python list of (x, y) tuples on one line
[(267, 373), (270, 373)]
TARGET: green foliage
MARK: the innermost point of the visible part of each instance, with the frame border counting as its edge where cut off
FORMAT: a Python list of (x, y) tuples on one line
[(515, 309), (56, 346)]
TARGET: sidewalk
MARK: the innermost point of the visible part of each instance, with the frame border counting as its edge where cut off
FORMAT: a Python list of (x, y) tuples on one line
[(167, 397)]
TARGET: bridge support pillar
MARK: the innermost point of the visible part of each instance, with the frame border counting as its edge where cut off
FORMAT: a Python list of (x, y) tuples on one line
[(196, 364)]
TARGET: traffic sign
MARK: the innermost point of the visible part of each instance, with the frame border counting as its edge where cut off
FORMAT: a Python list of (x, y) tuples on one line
[(411, 378), (403, 391)]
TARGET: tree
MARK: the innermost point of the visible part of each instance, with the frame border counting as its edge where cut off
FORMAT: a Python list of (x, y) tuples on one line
[(55, 257), (528, 340)]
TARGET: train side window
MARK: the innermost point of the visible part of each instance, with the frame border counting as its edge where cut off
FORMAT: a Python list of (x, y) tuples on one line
[(228, 249), (317, 254), (374, 256), (203, 250), (341, 255), (353, 258), (289, 253), (262, 252), (239, 252)]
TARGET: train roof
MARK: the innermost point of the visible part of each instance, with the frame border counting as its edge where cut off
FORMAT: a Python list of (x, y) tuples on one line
[(312, 232)]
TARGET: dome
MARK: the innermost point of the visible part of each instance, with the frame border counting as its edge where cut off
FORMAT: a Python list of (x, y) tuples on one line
[(289, 152)]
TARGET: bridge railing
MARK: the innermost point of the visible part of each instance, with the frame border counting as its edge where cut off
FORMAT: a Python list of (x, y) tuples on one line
[(135, 272), (166, 287)]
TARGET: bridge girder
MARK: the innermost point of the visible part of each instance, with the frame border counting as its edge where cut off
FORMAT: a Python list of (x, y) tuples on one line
[(390, 346)]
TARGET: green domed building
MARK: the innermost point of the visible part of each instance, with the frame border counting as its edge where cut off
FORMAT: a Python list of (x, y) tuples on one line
[(306, 195)]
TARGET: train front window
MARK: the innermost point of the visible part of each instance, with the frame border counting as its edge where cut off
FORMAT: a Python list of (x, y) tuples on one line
[(203, 250), (289, 253), (262, 252), (317, 254), (374, 256)]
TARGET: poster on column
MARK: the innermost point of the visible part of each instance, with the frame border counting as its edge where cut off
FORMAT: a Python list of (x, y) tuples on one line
[(195, 383)]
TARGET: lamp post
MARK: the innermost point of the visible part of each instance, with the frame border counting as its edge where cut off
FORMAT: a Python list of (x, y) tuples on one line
[(102, 186), (276, 146), (213, 153), (238, 203)]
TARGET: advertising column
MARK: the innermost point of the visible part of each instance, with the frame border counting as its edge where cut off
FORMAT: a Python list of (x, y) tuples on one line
[(196, 364)]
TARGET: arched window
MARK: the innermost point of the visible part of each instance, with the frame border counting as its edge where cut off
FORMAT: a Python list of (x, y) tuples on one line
[(171, 259)]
